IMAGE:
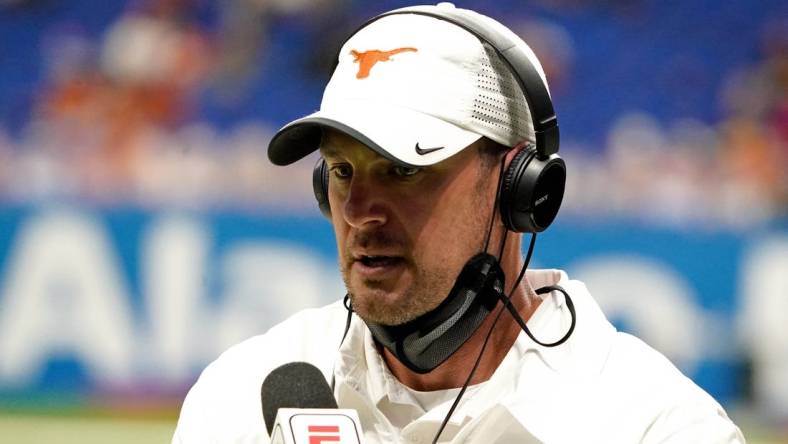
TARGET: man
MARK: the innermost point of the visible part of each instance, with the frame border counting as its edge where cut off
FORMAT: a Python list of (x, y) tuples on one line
[(419, 129)]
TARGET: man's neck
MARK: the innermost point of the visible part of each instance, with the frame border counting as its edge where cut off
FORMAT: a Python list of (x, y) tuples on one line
[(454, 371)]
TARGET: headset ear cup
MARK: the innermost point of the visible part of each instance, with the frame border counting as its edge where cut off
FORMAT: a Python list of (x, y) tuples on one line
[(508, 197), (531, 191), (548, 191), (320, 187)]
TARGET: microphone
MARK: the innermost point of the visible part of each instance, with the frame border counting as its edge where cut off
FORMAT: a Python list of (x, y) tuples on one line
[(298, 385), (299, 407)]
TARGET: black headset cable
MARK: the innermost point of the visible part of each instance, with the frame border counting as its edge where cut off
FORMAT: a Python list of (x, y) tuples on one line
[(486, 340)]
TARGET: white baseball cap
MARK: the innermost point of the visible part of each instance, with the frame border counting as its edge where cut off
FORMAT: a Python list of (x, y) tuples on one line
[(417, 90)]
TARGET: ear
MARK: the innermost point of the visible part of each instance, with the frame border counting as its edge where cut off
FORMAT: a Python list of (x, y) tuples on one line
[(513, 152)]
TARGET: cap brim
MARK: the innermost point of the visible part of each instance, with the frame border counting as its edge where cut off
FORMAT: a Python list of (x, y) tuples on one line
[(399, 134)]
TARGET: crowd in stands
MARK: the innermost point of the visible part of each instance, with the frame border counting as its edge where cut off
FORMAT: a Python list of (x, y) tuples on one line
[(120, 118), (731, 172)]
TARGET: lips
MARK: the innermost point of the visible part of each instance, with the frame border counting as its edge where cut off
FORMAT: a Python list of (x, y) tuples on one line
[(376, 254), (377, 266), (379, 261)]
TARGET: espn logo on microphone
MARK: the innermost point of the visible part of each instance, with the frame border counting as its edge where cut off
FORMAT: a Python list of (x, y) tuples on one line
[(323, 434), (320, 426)]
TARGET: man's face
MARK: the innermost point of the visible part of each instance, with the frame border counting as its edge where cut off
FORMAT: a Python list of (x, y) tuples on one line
[(403, 234)]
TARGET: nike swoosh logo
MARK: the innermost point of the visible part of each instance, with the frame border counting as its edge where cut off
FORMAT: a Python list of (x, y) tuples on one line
[(422, 151)]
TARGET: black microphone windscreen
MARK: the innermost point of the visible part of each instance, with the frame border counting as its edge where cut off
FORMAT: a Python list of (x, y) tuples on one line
[(298, 385)]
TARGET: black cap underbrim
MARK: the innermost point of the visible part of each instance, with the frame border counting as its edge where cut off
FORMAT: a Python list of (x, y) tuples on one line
[(302, 137)]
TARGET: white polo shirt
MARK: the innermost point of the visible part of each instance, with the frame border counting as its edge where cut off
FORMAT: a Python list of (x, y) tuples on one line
[(601, 386)]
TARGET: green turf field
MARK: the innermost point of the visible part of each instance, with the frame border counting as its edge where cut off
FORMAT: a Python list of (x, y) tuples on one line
[(46, 429), (23, 429)]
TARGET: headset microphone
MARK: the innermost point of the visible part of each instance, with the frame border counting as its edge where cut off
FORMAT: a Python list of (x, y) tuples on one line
[(427, 341)]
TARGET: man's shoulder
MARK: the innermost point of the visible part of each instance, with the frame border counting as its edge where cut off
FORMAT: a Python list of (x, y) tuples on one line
[(672, 407), (626, 365), (597, 347), (226, 396), (613, 385), (636, 366), (307, 330), (307, 335)]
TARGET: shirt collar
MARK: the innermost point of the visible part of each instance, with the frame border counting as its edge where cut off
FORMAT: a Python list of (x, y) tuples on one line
[(361, 366), (587, 349)]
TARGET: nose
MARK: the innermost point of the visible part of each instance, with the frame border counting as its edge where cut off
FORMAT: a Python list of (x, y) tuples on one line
[(365, 203)]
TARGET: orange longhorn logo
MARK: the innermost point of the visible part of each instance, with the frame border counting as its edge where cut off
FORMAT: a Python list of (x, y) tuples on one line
[(367, 59)]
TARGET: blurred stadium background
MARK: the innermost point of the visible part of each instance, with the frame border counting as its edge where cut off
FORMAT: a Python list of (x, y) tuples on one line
[(142, 229)]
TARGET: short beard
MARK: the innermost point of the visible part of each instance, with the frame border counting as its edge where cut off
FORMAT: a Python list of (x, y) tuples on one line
[(418, 300)]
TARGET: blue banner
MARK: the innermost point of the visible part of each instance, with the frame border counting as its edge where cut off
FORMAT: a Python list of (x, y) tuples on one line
[(128, 300)]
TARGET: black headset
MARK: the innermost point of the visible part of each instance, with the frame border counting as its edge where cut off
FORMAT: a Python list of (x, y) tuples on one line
[(533, 185)]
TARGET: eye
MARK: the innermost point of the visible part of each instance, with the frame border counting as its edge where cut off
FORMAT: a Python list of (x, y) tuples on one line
[(405, 171), (341, 171)]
